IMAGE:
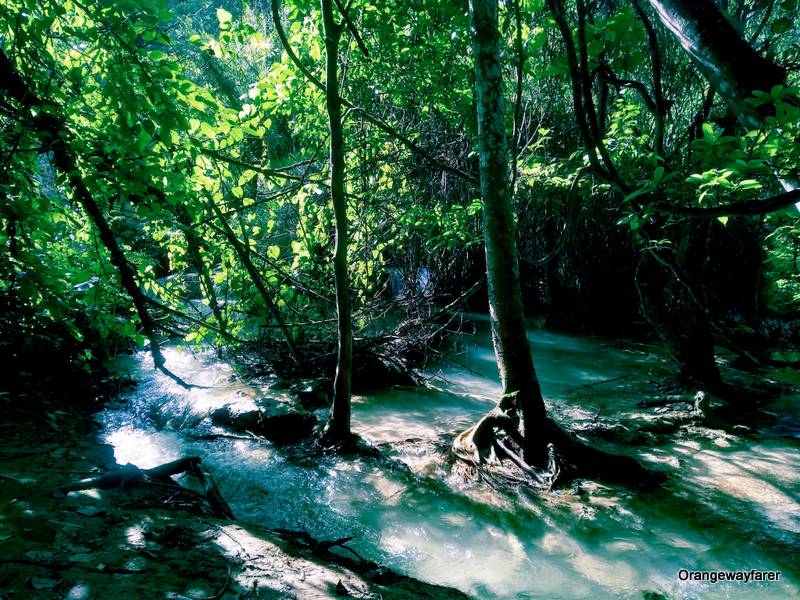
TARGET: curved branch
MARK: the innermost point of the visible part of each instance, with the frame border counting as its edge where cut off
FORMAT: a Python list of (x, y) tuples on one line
[(748, 208), (53, 133), (607, 75), (343, 10)]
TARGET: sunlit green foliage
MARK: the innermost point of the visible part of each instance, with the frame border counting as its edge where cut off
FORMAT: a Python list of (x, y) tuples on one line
[(175, 109)]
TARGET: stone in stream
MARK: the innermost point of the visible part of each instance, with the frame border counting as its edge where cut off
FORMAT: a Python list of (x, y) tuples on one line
[(314, 394), (272, 421)]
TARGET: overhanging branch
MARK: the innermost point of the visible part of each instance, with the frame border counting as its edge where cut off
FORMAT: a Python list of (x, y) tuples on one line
[(747, 208)]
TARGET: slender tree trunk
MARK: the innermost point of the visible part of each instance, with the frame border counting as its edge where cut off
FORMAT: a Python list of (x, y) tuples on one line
[(509, 336), (338, 427), (660, 104), (53, 134), (670, 306)]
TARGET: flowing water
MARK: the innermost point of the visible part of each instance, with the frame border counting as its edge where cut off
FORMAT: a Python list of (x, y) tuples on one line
[(732, 502)]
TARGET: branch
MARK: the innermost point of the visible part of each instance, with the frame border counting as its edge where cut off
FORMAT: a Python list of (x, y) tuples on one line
[(607, 75), (660, 102), (748, 208), (54, 135), (351, 27), (278, 173), (242, 251), (520, 50)]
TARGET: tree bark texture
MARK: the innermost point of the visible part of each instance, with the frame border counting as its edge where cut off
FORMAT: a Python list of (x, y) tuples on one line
[(729, 63), (509, 336)]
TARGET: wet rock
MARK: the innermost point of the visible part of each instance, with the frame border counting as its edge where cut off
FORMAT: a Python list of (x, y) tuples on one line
[(314, 394), (272, 422), (371, 372)]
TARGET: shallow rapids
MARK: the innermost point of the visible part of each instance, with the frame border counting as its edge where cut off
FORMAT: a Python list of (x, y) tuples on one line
[(732, 502)]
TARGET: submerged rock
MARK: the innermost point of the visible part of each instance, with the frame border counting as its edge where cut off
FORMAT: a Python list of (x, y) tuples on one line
[(273, 422), (314, 394)]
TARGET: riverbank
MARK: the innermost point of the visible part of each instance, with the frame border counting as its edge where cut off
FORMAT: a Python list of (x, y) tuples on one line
[(121, 543)]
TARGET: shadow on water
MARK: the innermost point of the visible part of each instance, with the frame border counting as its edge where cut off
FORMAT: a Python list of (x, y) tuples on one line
[(731, 502)]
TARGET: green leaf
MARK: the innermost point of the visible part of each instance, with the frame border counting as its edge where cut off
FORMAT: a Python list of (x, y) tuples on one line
[(637, 193), (781, 25), (749, 184)]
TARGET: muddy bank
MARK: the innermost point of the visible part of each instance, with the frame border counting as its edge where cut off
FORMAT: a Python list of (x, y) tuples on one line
[(139, 542)]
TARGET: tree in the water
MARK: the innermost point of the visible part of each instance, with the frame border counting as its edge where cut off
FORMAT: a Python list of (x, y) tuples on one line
[(338, 427), (544, 447), (521, 392)]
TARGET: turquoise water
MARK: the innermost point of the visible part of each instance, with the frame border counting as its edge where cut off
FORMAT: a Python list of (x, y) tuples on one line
[(731, 503)]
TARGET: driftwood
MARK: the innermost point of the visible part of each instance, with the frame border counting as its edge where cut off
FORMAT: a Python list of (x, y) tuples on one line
[(129, 474), (160, 476)]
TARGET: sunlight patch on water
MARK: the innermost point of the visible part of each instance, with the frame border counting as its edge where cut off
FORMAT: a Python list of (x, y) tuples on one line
[(737, 477), (616, 576), (491, 560), (145, 450)]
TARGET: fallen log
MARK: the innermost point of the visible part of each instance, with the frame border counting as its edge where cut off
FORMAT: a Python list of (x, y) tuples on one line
[(160, 476), (132, 474)]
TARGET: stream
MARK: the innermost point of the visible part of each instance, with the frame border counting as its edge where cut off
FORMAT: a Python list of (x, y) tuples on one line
[(731, 503)]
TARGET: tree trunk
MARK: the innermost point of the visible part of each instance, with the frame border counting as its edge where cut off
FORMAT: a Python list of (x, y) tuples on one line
[(52, 132), (729, 63), (338, 427), (669, 305), (513, 351)]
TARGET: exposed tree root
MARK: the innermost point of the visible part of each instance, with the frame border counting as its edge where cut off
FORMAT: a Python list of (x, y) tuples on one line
[(331, 443), (497, 437)]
